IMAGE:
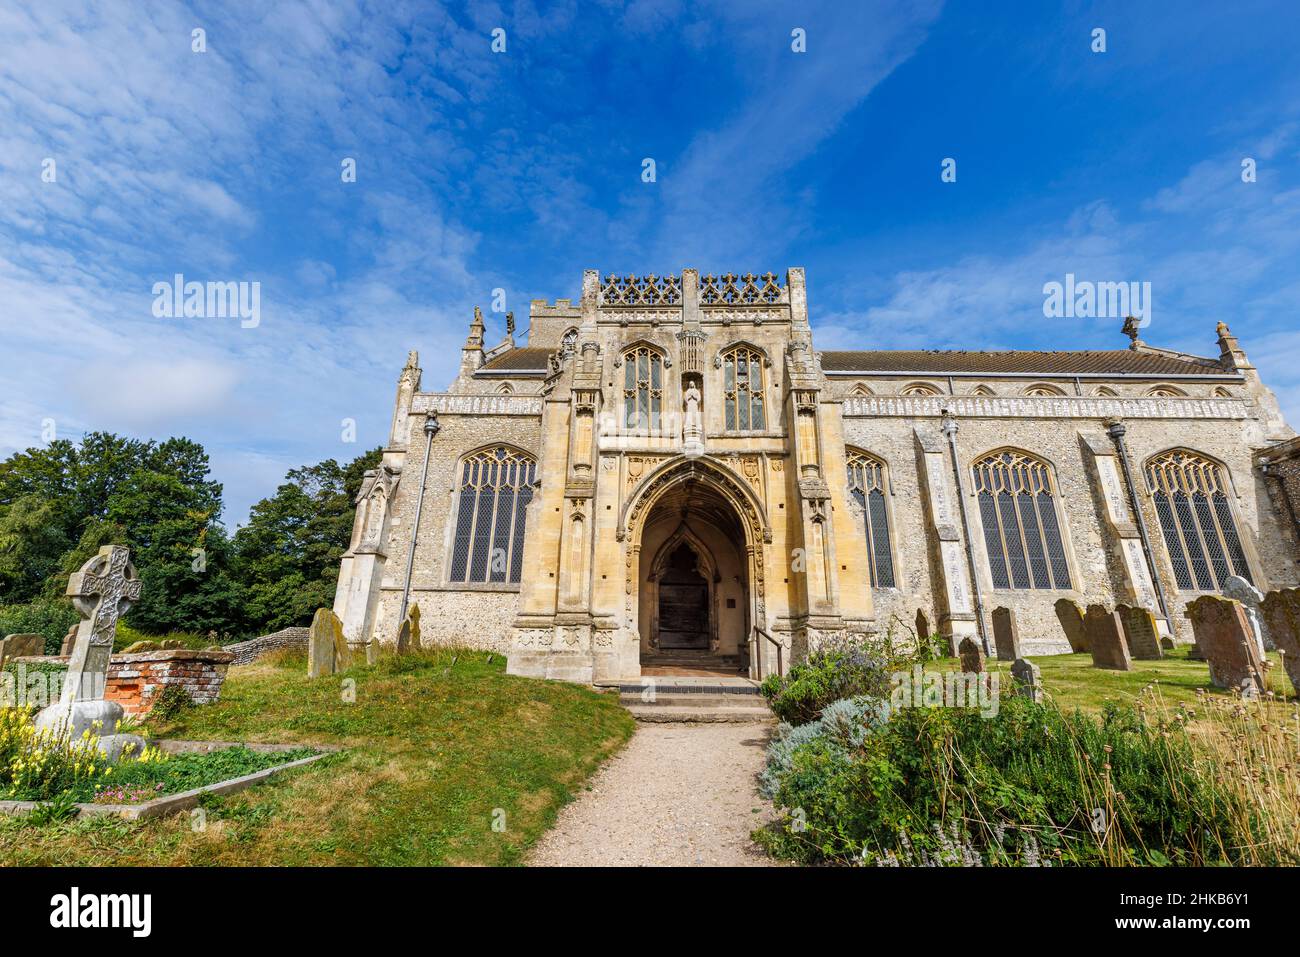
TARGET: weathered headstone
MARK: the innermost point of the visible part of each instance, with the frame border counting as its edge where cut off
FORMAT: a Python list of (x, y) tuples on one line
[(1070, 615), (1239, 589), (1006, 634), (69, 642), (1224, 636), (19, 646), (1105, 637), (102, 591), (327, 649), (1281, 613), (1027, 680), (414, 617), (922, 627), (972, 656), (408, 636), (1140, 633)]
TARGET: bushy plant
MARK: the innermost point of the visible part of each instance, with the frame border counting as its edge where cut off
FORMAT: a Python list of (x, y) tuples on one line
[(1031, 783), (842, 725), (839, 668), (171, 701), (40, 764), (49, 618)]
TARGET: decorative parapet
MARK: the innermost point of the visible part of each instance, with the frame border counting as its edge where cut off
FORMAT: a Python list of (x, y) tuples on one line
[(1043, 407), (733, 290), (450, 404), (649, 290), (728, 289)]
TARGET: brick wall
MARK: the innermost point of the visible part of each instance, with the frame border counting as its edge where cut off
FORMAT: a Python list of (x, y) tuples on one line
[(135, 681)]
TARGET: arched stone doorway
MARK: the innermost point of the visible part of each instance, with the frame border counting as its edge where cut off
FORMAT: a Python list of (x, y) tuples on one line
[(701, 502), (694, 581)]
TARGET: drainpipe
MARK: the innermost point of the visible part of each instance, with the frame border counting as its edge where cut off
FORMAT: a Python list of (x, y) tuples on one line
[(431, 428), (948, 426), (1116, 431)]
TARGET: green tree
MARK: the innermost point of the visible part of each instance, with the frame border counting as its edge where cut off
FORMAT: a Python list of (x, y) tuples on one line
[(32, 541), (60, 503), (287, 555)]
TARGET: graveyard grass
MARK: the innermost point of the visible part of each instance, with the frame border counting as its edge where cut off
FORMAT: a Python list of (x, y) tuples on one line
[(439, 746), (1074, 683)]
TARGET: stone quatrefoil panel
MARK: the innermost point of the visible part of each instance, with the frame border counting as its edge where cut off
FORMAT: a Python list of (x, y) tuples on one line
[(723, 290)]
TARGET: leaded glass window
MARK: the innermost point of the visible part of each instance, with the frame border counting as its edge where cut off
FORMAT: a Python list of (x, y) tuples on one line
[(643, 390), (742, 389), (1022, 534), (496, 486), (1196, 518), (867, 486)]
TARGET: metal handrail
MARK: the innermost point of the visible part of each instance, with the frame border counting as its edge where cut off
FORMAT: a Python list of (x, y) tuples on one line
[(758, 657)]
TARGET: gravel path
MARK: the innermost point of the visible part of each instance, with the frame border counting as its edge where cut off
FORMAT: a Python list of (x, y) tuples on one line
[(677, 795)]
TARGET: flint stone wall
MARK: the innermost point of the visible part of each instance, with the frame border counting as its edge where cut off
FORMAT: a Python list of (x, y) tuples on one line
[(246, 652)]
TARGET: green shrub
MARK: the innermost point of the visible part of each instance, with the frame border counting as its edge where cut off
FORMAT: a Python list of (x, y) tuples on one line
[(837, 669), (171, 701), (50, 619), (1032, 783), (39, 764)]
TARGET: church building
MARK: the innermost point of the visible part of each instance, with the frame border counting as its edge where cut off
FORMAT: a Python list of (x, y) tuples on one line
[(669, 467)]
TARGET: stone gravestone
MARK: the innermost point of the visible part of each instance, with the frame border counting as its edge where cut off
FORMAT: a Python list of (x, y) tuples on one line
[(1224, 636), (1140, 632), (972, 656), (1105, 637), (414, 617), (1281, 613), (1006, 634), (1070, 615), (408, 636), (1028, 683), (102, 591), (21, 646), (1250, 597), (327, 649), (69, 642)]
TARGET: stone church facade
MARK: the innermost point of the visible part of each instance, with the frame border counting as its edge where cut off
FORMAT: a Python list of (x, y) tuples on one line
[(668, 465)]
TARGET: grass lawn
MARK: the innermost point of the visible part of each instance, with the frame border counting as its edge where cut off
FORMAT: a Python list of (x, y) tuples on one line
[(437, 754), (1073, 682)]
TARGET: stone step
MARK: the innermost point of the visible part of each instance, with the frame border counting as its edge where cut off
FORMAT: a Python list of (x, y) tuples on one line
[(658, 713), (669, 699), (697, 686)]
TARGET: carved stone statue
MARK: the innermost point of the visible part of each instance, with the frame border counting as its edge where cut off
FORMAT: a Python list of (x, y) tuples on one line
[(692, 398), (693, 424)]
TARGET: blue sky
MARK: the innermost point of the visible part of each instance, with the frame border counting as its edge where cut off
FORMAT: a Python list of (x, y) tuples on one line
[(478, 170)]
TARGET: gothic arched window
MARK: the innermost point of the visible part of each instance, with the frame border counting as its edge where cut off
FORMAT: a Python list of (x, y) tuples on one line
[(1166, 392), (1022, 533), (867, 486), (495, 488), (1196, 518), (742, 389), (643, 388), (919, 388), (1043, 389)]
